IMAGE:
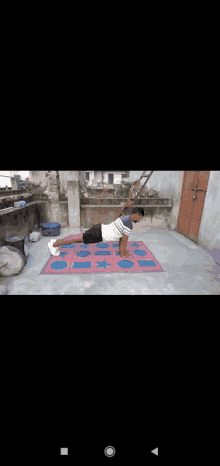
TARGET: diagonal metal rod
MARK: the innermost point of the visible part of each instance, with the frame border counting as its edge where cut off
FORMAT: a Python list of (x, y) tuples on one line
[(131, 195), (130, 200), (146, 181)]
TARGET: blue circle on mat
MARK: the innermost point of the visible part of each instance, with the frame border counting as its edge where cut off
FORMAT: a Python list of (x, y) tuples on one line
[(83, 253), (140, 252), (102, 245), (59, 265), (125, 264)]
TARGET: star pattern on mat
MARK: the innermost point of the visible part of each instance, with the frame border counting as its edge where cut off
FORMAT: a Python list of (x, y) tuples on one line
[(103, 264)]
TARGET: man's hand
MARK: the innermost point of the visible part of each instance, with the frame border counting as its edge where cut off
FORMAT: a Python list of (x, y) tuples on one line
[(122, 247), (125, 254)]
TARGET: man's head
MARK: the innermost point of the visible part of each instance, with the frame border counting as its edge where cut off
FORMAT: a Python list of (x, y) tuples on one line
[(137, 214)]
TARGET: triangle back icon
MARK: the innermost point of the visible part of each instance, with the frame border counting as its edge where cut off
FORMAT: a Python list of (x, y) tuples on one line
[(155, 451)]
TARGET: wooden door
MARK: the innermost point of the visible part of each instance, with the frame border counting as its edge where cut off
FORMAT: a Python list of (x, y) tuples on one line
[(192, 203)]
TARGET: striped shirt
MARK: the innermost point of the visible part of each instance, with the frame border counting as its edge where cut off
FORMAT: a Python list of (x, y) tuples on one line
[(115, 230)]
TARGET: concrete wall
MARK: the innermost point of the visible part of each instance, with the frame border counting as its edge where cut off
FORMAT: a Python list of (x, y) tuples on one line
[(168, 184), (64, 215), (53, 211), (154, 219), (72, 175), (38, 177), (53, 194), (71, 180), (135, 175), (209, 233)]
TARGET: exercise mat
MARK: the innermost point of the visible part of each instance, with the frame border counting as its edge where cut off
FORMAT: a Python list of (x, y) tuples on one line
[(102, 258)]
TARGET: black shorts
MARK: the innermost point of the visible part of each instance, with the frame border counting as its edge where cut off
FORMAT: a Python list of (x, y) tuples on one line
[(93, 235)]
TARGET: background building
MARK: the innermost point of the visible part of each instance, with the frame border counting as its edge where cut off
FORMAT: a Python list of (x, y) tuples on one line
[(13, 179), (105, 178)]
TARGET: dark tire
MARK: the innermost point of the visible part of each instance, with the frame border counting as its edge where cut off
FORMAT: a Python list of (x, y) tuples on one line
[(13, 259)]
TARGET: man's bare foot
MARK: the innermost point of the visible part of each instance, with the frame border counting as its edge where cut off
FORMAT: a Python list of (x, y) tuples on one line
[(56, 244)]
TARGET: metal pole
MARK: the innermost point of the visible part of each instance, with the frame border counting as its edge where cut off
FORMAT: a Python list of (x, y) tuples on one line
[(130, 197), (146, 181)]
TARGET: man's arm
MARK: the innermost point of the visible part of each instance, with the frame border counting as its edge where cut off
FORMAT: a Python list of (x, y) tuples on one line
[(61, 242), (123, 244)]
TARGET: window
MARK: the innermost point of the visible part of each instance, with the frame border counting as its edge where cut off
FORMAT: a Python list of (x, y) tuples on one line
[(87, 176), (110, 178), (123, 175)]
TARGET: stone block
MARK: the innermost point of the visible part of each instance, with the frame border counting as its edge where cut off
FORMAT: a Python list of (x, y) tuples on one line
[(35, 236)]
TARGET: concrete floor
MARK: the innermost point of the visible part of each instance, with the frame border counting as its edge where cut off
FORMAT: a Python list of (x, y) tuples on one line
[(188, 270)]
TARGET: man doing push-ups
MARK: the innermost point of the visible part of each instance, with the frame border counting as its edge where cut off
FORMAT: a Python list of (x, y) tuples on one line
[(118, 230)]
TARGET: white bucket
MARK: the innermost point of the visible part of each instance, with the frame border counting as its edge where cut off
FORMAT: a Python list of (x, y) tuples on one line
[(35, 236)]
